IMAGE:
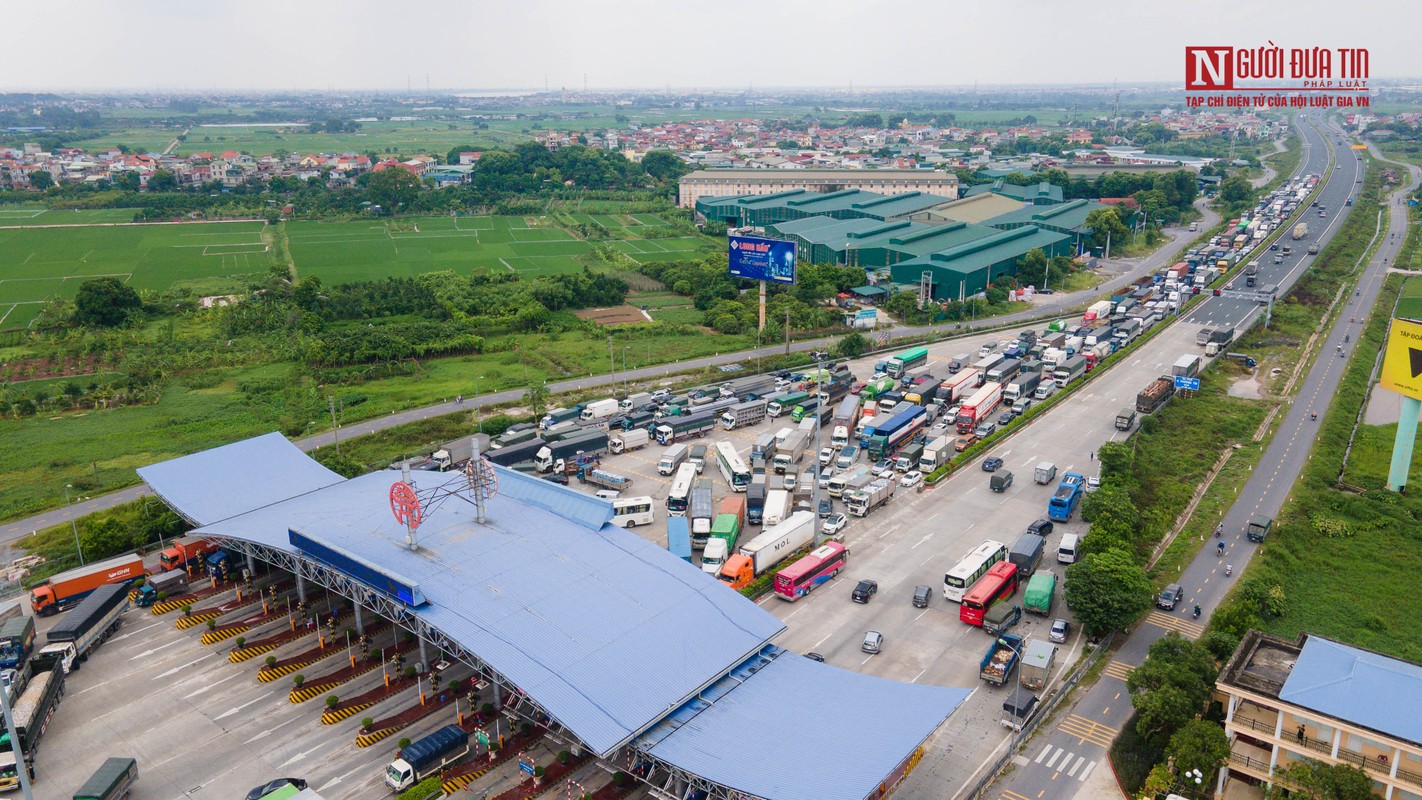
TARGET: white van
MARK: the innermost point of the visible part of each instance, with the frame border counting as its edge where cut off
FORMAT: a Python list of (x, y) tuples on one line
[(1066, 551)]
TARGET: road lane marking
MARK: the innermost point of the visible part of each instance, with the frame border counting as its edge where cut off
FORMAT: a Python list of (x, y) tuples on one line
[(204, 689)]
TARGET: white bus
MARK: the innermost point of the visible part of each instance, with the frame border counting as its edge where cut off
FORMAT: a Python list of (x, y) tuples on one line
[(733, 469), (680, 496), (973, 566), (629, 512)]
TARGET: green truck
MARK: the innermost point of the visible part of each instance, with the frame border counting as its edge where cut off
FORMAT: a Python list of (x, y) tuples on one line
[(1258, 528), (1041, 591), (112, 781)]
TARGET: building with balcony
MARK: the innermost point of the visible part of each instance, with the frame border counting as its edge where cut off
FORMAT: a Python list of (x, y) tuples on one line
[(1319, 699)]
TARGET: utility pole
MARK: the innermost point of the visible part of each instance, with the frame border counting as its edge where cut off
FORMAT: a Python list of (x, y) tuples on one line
[(22, 765), (787, 331), (335, 429), (819, 445), (612, 360)]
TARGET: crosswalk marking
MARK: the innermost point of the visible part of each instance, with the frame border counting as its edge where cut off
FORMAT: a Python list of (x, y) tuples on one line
[(1053, 761), (1045, 750), (1073, 765), (1086, 730), (1071, 773), (1189, 630), (1118, 670)]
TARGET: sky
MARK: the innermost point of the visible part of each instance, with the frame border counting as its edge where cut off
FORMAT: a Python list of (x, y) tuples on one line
[(182, 45)]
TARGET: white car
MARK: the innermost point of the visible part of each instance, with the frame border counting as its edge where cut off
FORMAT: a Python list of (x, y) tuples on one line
[(886, 472), (790, 481), (826, 456), (911, 479), (834, 524), (1093, 483)]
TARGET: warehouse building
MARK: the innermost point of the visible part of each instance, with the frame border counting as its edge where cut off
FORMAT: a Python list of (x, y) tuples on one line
[(742, 182), (1040, 194), (1066, 218), (966, 269), (762, 210)]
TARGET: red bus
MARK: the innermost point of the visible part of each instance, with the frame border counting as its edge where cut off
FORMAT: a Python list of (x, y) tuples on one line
[(999, 583), (805, 575)]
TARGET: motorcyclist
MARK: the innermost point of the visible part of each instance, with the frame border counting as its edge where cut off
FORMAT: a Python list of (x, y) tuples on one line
[(1197, 611), (1219, 530), (1345, 337), (1313, 415), (1220, 549), (1229, 570)]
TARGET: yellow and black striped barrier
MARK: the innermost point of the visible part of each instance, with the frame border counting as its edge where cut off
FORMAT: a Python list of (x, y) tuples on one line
[(329, 717), (460, 781), (213, 637), (307, 692), (368, 739), (197, 619), (164, 606), (267, 675), (238, 656)]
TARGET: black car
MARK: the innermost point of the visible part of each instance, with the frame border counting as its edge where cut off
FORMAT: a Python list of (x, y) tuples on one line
[(1006, 417), (824, 508), (271, 786), (815, 657), (921, 595), (819, 355), (864, 590), (1274, 246), (1170, 598), (1042, 527), (992, 464)]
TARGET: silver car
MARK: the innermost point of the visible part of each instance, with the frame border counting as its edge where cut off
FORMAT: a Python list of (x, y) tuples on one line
[(873, 642)]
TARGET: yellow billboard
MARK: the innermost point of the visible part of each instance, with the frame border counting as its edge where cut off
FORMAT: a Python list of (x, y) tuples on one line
[(1402, 363)]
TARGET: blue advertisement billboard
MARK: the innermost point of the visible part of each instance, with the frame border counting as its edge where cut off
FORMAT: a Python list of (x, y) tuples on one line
[(760, 259)]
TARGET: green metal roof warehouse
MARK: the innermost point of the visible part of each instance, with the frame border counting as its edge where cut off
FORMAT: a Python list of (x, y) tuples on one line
[(768, 209), (968, 268)]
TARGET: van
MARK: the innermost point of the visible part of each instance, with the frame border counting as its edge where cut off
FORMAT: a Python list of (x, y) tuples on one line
[(1066, 551), (1044, 390), (698, 457), (846, 457)]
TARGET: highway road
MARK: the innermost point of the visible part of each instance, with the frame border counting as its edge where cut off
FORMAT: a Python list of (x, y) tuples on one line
[(1084, 731)]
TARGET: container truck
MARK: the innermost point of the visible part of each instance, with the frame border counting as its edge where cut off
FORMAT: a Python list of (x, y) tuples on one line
[(1300, 230), (790, 451), (976, 409), (67, 588), (1065, 499), (627, 441), (513, 454), (184, 551), (111, 781), (959, 386), (862, 501), (996, 667), (672, 458), (845, 416), (777, 507), (634, 401), (1020, 387), (760, 554), (1045, 472), (1154, 396), (587, 445), (1037, 664), (909, 456), (935, 454), (678, 428), (165, 584), (17, 639), (701, 511), (679, 538), (558, 416), (742, 414), (91, 622), (1070, 370), (1040, 593), (901, 429), (785, 403), (755, 499), (426, 757)]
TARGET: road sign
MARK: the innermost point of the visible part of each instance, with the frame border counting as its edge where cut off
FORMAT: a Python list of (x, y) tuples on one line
[(526, 767), (1402, 364), (481, 737), (1182, 382)]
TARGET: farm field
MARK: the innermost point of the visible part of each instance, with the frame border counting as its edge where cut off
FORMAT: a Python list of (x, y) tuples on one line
[(408, 138), (39, 216)]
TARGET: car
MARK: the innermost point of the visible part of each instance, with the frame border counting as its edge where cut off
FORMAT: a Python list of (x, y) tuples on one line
[(883, 464), (826, 456), (1170, 597), (1061, 629), (825, 507), (857, 387), (781, 384), (819, 355), (965, 441), (921, 595), (911, 479), (834, 524), (873, 642), (824, 477), (797, 376), (864, 590), (1093, 483), (992, 464), (1042, 527), (557, 477), (790, 480), (1006, 417), (662, 394), (815, 657), (1046, 291), (730, 367), (1274, 246), (271, 786), (985, 430), (886, 472)]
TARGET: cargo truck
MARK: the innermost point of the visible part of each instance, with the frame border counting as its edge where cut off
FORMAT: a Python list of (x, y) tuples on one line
[(165, 584), (1214, 336), (1125, 418), (908, 457), (1021, 386), (1258, 528), (627, 441), (605, 479), (840, 482), (695, 425), (1040, 593), (17, 640), (1300, 230), (111, 781), (860, 502), (935, 454), (845, 416), (1045, 473), (1026, 552), (587, 445), (976, 409), (679, 538), (1001, 617), (755, 499), (641, 418), (790, 451), (1065, 499), (513, 454), (558, 416), (426, 757), (996, 667), (777, 507), (91, 622), (1005, 371), (876, 388), (634, 401), (742, 414), (1154, 396), (32, 712), (184, 551), (67, 588), (598, 409), (1187, 365), (759, 555), (838, 387), (701, 511), (806, 410), (1068, 371), (785, 403), (959, 386), (897, 431), (1037, 664)]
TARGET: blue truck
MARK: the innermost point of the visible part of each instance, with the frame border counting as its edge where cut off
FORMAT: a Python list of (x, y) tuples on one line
[(897, 431), (427, 756), (679, 538), (1066, 498)]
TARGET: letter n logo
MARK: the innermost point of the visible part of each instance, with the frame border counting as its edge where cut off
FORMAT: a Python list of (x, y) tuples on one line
[(1209, 69)]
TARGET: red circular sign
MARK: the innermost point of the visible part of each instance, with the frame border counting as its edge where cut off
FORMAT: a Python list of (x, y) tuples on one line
[(404, 504)]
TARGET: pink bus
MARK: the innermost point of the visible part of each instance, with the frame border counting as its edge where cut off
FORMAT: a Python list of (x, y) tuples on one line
[(802, 577)]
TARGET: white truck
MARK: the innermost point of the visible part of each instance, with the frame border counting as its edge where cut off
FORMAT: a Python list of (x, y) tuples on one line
[(627, 441), (844, 418), (791, 450), (1045, 473), (672, 458), (936, 454), (779, 541), (742, 414), (598, 409), (777, 507), (862, 501), (634, 401)]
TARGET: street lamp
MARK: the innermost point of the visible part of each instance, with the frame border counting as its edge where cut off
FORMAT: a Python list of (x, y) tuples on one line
[(815, 486), (72, 526), (626, 377), (479, 408), (1016, 694)]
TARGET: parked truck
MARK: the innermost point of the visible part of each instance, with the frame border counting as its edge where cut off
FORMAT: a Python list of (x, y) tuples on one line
[(845, 417), (1300, 231), (558, 416), (31, 713), (426, 757), (1068, 371), (958, 386), (875, 388), (701, 511), (755, 499), (1125, 418), (605, 479), (791, 450), (1187, 366), (785, 403), (901, 428), (1021, 386), (1065, 499), (996, 667), (184, 551), (759, 555), (679, 428), (1214, 337), (908, 457), (672, 458), (514, 454), (777, 507), (1154, 396), (67, 588), (598, 409), (679, 538), (587, 445), (976, 409), (634, 401), (1045, 473), (1040, 593), (111, 781), (91, 622), (935, 454), (862, 501), (1037, 662), (17, 640), (164, 584), (627, 441), (742, 414)]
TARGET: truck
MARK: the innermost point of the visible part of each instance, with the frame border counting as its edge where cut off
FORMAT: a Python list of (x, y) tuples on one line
[(777, 507), (1000, 481), (605, 479), (734, 505), (1214, 336), (672, 458), (909, 456), (759, 555), (1251, 273), (1065, 499), (678, 428), (627, 441), (558, 416), (1040, 593), (634, 401), (426, 757), (862, 501), (679, 538), (111, 781), (785, 403), (31, 714), (91, 622), (519, 453), (935, 454), (1125, 418), (875, 388), (996, 667), (1155, 394), (790, 451), (1005, 371), (183, 552), (837, 388), (1000, 617), (1021, 386), (806, 410), (164, 584), (587, 445), (755, 499), (1186, 365), (17, 639), (900, 429), (958, 386), (742, 414), (976, 409), (701, 511), (1037, 664), (1258, 528), (764, 446), (1070, 370), (845, 416), (1020, 707), (67, 588), (840, 482), (455, 454), (1300, 231)]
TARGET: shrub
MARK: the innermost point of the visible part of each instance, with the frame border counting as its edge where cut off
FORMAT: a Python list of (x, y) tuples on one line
[(487, 709), (403, 743), (424, 789), (298, 679), (564, 756), (271, 661), (241, 640), (538, 771), (212, 624), (332, 701), (366, 722), (187, 609)]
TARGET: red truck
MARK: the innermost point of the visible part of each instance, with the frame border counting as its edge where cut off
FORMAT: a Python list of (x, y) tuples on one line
[(67, 588), (189, 549)]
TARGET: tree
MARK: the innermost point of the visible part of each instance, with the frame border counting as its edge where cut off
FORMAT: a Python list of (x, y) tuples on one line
[(537, 399), (1198, 744), (664, 165), (852, 345), (162, 181), (105, 302), (1236, 189), (1171, 685), (1107, 590), (1316, 780), (41, 180), (1105, 224), (392, 188)]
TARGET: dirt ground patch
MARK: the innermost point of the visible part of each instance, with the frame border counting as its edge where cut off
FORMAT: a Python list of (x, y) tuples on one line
[(616, 315)]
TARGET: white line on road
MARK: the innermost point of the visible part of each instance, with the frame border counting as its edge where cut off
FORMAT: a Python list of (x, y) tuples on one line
[(1045, 750), (176, 670), (1086, 771), (150, 652), (1053, 759), (340, 778), (919, 675), (891, 529), (273, 730), (121, 637), (204, 689), (235, 709), (1071, 773), (299, 756), (925, 538)]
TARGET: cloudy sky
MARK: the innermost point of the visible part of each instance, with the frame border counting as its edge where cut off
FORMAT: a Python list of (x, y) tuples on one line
[(470, 44)]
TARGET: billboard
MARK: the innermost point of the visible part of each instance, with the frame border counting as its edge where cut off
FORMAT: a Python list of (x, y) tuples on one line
[(1402, 359), (757, 259)]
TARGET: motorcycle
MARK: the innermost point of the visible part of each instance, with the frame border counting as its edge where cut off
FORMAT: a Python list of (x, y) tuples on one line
[(1229, 570), (1313, 415), (1197, 612), (1220, 550)]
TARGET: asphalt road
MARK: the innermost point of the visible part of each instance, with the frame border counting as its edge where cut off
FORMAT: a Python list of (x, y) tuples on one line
[(1129, 270), (1086, 729)]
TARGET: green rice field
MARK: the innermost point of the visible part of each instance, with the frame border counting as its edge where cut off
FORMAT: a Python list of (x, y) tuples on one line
[(39, 216)]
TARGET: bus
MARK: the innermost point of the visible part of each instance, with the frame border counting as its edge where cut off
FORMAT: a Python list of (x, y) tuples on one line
[(973, 566), (905, 361), (680, 496), (998, 584), (802, 577), (629, 512), (733, 469)]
